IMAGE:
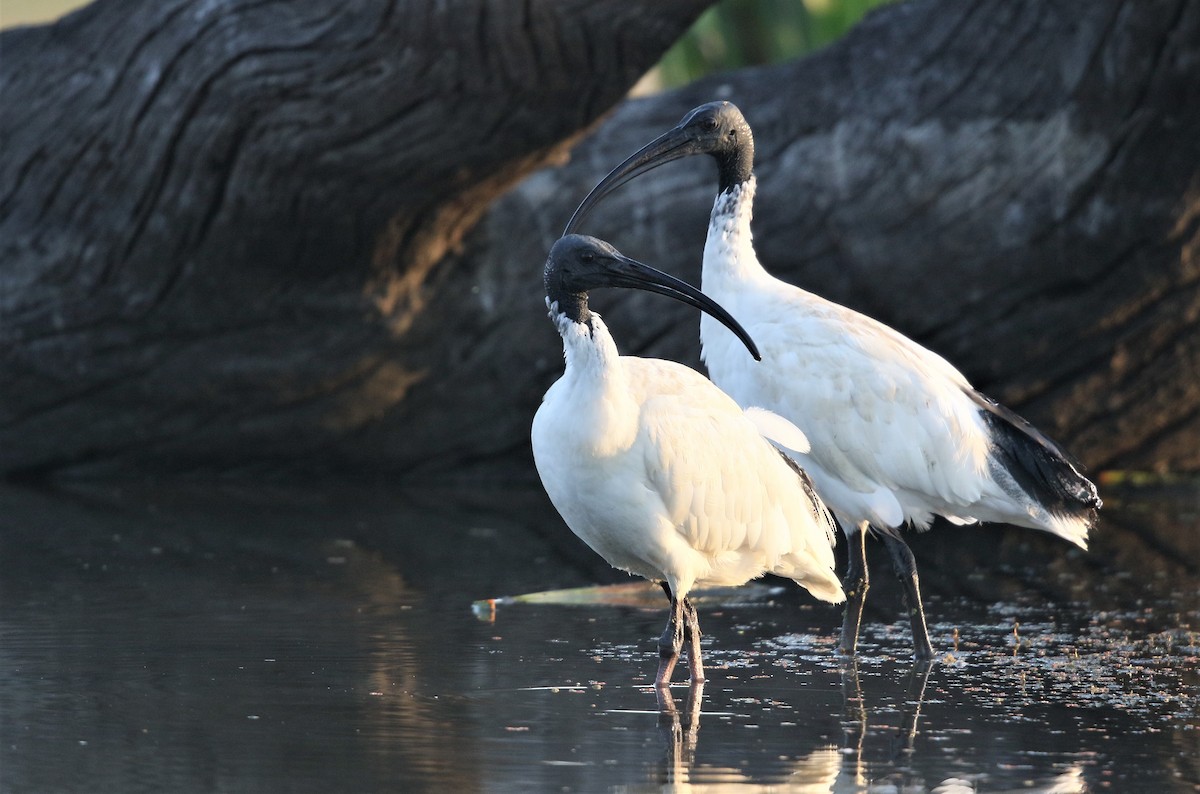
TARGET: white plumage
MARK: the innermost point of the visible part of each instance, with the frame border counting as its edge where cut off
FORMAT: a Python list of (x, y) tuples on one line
[(897, 434), (664, 476)]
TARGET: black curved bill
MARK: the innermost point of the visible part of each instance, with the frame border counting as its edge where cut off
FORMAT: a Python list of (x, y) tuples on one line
[(625, 272), (673, 144)]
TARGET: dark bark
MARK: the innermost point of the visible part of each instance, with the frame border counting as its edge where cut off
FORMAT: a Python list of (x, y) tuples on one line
[(234, 240), (219, 220)]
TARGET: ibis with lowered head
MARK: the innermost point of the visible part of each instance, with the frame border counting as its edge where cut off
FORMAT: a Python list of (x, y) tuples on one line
[(659, 471), (897, 434)]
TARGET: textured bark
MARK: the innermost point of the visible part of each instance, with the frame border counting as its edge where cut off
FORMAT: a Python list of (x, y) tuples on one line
[(253, 238), (219, 220)]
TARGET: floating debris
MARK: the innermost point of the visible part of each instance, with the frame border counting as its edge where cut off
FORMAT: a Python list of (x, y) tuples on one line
[(644, 595)]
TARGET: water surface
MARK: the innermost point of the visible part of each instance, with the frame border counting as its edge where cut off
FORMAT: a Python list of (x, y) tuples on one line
[(324, 640)]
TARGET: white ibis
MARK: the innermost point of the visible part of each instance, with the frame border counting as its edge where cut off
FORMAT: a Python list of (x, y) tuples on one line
[(658, 470), (897, 434)]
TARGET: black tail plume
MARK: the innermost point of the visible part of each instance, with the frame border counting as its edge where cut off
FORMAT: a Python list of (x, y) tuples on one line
[(1042, 468)]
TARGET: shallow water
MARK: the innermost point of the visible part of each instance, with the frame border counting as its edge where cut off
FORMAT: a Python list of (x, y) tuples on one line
[(325, 640)]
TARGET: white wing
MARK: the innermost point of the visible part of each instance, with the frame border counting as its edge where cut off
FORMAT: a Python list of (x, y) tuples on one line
[(888, 420), (726, 490), (779, 430)]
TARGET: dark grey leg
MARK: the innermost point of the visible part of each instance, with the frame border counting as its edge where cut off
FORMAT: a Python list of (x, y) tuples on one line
[(691, 635), (855, 583), (671, 641), (905, 566), (691, 632)]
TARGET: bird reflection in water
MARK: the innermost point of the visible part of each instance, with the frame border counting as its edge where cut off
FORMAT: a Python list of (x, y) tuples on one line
[(856, 766), (824, 769), (855, 722), (679, 731)]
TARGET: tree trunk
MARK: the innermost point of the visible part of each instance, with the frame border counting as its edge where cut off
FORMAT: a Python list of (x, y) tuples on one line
[(219, 221), (243, 242)]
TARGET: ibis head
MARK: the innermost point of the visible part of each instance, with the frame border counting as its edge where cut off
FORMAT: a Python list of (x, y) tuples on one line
[(716, 128), (578, 263)]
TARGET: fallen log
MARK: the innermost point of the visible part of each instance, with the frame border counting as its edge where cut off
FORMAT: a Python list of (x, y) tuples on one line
[(240, 243)]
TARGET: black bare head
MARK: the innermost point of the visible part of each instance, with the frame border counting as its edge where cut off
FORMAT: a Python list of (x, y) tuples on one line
[(578, 263), (716, 128), (720, 129)]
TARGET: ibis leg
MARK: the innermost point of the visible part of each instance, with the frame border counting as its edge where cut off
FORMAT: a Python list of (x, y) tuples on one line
[(855, 583), (691, 633), (905, 566), (670, 643)]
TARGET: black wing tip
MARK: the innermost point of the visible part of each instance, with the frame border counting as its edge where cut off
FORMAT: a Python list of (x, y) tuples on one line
[(998, 411), (1038, 464)]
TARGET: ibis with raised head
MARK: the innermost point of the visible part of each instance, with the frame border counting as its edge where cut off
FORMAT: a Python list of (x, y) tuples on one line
[(659, 471), (897, 434)]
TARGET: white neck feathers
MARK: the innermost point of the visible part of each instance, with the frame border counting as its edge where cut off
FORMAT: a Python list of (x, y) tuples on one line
[(729, 249), (588, 346), (596, 387)]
